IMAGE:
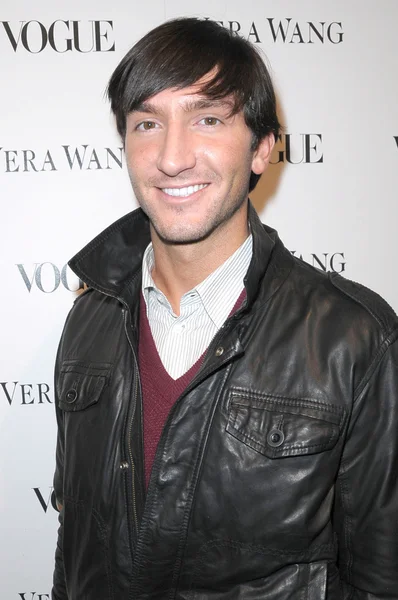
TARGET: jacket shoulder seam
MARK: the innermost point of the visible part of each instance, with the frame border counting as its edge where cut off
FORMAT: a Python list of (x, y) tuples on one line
[(357, 291), (389, 339)]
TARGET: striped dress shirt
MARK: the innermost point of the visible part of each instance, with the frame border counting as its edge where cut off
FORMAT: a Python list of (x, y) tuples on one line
[(181, 340)]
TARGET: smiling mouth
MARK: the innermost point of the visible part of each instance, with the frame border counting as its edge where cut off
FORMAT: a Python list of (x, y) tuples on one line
[(184, 191)]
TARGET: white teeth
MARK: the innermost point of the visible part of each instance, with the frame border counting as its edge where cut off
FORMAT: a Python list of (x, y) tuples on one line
[(183, 192)]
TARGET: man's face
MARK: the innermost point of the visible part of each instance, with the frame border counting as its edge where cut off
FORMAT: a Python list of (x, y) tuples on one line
[(189, 162)]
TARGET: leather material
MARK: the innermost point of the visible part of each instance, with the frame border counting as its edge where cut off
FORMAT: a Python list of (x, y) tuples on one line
[(275, 474)]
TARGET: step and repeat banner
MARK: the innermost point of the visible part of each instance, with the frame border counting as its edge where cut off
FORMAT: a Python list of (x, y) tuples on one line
[(330, 190)]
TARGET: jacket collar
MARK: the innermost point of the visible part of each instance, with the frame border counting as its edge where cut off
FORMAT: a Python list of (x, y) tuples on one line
[(111, 262)]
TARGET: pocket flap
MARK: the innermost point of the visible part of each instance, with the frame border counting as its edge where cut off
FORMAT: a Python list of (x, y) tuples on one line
[(278, 426), (80, 385)]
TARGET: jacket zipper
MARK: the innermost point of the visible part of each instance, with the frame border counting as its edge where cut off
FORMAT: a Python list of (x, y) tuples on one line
[(130, 427)]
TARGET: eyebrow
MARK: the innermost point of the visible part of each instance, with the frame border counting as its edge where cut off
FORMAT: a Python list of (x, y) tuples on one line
[(190, 105)]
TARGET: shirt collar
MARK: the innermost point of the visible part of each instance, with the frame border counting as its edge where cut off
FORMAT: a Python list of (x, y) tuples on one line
[(226, 280), (148, 262)]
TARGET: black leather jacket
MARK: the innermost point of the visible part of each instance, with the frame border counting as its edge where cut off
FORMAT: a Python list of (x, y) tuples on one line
[(276, 474)]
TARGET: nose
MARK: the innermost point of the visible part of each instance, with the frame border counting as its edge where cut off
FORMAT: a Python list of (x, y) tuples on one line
[(177, 151)]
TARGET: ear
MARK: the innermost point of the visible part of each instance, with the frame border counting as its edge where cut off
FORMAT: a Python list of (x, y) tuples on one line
[(262, 154)]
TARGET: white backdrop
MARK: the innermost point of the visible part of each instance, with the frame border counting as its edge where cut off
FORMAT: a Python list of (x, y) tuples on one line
[(331, 192)]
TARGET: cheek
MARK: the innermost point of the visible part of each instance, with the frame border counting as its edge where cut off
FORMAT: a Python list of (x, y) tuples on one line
[(209, 155), (225, 158), (239, 165), (236, 154), (138, 149), (137, 161)]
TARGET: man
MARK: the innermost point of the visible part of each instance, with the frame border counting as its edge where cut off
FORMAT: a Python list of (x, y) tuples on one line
[(227, 414)]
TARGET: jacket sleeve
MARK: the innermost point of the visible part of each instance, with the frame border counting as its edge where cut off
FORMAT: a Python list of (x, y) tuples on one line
[(59, 591), (366, 503)]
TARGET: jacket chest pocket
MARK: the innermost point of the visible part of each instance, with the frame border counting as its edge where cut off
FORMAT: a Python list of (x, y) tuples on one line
[(278, 427), (81, 385)]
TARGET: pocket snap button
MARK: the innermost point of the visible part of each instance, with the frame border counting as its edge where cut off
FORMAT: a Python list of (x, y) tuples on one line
[(71, 396), (275, 438), (219, 351)]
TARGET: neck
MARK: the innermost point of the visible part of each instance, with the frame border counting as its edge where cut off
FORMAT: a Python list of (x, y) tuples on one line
[(179, 268)]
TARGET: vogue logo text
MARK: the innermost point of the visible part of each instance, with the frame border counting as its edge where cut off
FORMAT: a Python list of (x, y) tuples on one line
[(60, 36)]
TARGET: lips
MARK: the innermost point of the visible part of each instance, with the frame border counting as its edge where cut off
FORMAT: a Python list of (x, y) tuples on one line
[(183, 192)]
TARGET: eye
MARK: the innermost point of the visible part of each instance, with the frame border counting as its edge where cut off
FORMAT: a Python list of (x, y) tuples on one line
[(146, 126), (210, 121)]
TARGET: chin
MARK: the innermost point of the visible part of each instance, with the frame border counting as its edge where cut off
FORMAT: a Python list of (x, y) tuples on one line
[(182, 236)]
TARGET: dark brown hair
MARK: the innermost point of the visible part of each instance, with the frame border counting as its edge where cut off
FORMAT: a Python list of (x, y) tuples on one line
[(179, 53)]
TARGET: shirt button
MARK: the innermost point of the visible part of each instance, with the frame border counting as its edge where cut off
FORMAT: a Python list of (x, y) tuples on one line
[(219, 351)]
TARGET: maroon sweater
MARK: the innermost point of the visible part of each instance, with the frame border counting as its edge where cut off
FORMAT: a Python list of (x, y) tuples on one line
[(159, 390)]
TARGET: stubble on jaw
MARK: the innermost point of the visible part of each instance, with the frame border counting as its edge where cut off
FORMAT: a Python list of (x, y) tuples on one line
[(200, 235)]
